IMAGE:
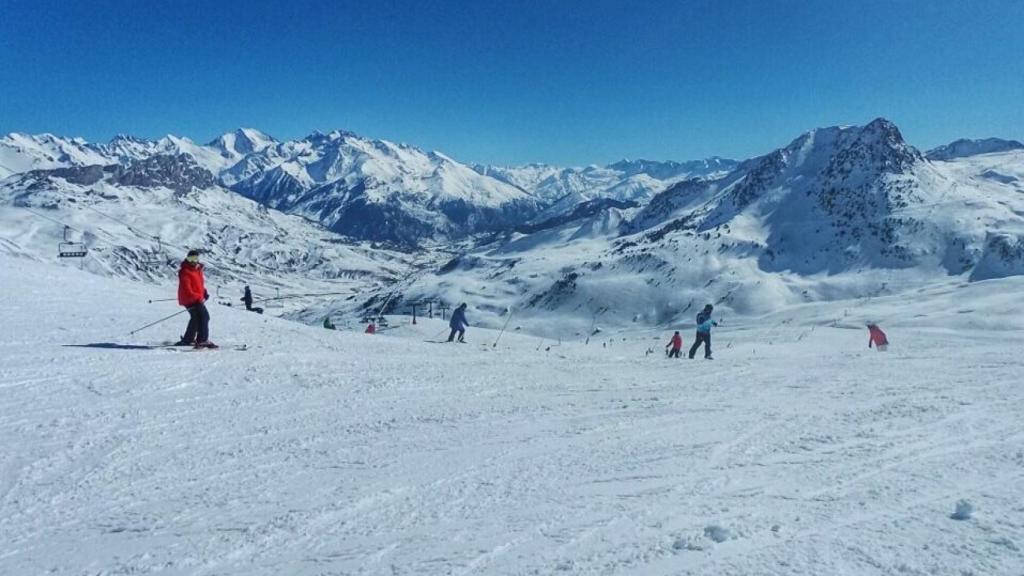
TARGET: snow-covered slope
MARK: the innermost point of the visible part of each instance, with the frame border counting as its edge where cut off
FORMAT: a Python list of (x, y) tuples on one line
[(137, 220), (964, 147), (840, 212), (797, 451), (24, 152), (996, 178)]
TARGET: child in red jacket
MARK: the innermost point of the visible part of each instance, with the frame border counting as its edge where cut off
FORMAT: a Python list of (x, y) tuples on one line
[(877, 338), (677, 345)]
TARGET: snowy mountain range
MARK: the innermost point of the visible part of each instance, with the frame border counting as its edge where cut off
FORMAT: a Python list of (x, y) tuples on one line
[(561, 189), (963, 148), (369, 189), (137, 220), (839, 212)]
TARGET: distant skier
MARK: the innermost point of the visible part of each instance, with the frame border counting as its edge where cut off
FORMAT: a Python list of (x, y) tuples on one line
[(371, 328), (677, 345), (877, 338), (328, 324), (247, 299), (704, 324), (192, 295), (458, 323)]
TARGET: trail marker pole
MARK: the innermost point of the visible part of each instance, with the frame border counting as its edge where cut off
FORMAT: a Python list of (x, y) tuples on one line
[(507, 320)]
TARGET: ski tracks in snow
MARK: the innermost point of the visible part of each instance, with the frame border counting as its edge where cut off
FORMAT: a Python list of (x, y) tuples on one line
[(321, 452)]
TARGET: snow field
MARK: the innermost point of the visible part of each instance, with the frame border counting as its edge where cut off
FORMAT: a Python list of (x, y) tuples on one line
[(796, 451)]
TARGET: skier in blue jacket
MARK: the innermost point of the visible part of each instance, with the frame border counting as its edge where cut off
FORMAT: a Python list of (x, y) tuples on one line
[(704, 324), (458, 323)]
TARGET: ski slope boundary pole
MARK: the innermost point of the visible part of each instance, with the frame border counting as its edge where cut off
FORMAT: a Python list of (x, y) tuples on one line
[(507, 320), (133, 332)]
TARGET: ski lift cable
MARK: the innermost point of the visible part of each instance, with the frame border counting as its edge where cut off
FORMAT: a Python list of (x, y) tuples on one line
[(70, 227), (308, 295), (127, 225), (408, 281), (161, 244), (54, 220), (112, 241)]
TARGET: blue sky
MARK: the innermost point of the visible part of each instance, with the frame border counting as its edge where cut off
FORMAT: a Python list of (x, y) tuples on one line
[(517, 81)]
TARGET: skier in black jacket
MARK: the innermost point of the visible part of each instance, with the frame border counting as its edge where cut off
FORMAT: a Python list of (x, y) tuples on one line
[(704, 324), (458, 323), (247, 298)]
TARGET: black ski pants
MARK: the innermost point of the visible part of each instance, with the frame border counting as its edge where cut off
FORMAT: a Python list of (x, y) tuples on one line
[(674, 353), (461, 332), (702, 338), (198, 324)]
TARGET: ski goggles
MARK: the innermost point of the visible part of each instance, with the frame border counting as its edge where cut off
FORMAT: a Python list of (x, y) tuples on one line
[(192, 259)]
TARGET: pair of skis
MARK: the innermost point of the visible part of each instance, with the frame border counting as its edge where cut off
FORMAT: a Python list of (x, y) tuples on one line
[(182, 348)]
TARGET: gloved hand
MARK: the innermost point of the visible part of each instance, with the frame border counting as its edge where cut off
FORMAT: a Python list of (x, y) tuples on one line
[(206, 295)]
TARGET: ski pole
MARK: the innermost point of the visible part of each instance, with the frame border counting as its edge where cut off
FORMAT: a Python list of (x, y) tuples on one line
[(162, 300), (132, 333)]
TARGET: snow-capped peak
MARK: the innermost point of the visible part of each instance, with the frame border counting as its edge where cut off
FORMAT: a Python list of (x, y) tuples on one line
[(24, 152), (964, 147), (241, 142)]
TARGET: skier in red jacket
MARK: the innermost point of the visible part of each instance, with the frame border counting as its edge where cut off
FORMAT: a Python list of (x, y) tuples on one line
[(877, 338), (677, 345), (192, 295)]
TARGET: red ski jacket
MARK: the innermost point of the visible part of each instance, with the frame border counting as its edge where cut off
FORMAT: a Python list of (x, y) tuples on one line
[(677, 341), (191, 286), (877, 336)]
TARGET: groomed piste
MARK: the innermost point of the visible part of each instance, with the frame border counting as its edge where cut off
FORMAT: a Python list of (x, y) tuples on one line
[(798, 450)]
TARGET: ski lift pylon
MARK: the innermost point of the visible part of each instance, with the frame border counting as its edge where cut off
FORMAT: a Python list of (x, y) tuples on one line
[(69, 248), (274, 302)]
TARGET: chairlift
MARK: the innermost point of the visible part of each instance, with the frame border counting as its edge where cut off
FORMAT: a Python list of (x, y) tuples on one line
[(223, 301), (379, 321), (69, 248)]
